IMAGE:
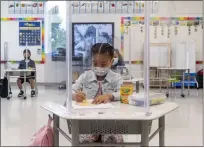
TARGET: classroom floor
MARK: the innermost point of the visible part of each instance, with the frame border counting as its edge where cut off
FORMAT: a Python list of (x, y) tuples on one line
[(21, 118)]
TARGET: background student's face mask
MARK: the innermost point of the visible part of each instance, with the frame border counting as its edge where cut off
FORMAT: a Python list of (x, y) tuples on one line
[(27, 58), (100, 71), (115, 61)]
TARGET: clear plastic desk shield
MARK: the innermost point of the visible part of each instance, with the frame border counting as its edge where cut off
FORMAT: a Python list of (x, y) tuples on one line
[(78, 54)]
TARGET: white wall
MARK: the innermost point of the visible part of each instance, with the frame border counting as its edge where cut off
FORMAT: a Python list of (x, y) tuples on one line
[(55, 71), (166, 9)]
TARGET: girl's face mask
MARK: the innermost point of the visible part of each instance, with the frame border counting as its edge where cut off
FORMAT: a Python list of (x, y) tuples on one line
[(101, 71)]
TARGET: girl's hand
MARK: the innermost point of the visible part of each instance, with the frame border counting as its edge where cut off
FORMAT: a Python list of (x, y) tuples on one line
[(103, 99), (80, 96)]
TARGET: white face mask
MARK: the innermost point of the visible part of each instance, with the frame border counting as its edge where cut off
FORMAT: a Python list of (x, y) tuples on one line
[(99, 71), (115, 61)]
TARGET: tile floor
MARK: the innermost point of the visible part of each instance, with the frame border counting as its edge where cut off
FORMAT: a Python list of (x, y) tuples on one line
[(21, 118)]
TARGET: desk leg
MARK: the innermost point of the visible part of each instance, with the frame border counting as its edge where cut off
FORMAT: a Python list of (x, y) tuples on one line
[(188, 82), (36, 89), (75, 133), (145, 134), (9, 90), (56, 132), (182, 90), (161, 132), (24, 84), (137, 86)]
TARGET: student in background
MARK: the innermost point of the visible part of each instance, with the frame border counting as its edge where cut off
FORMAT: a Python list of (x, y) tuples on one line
[(100, 84), (118, 60), (29, 79)]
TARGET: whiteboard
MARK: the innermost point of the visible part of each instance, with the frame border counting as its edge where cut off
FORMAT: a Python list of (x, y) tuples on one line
[(184, 55), (160, 55), (10, 34)]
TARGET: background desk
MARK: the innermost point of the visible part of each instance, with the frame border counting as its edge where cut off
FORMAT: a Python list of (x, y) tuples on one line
[(137, 82), (17, 73), (183, 77), (123, 119)]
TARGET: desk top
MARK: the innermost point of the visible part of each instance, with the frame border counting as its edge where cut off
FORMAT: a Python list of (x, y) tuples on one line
[(20, 70), (172, 68), (120, 112), (134, 80)]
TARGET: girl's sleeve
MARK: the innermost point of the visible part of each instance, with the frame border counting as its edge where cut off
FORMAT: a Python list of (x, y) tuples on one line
[(116, 94), (78, 85)]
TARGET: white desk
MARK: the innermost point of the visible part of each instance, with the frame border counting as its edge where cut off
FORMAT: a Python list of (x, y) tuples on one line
[(123, 119), (183, 77), (18, 73)]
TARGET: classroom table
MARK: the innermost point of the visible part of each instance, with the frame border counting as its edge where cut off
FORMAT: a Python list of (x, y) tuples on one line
[(183, 77), (16, 73), (123, 119)]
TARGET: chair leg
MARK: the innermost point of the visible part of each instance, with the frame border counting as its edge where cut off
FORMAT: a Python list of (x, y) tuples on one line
[(172, 88), (69, 126)]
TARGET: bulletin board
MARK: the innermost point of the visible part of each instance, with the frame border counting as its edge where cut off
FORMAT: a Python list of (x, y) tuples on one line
[(12, 34), (162, 30)]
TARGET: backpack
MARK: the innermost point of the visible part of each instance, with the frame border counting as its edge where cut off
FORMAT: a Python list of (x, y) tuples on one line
[(199, 78), (4, 87), (44, 137)]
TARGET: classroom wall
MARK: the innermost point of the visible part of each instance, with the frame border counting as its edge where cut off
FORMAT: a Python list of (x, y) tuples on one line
[(166, 9), (5, 14), (54, 72)]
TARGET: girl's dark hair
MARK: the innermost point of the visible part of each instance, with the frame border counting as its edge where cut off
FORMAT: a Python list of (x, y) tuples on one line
[(27, 51), (103, 48), (120, 57)]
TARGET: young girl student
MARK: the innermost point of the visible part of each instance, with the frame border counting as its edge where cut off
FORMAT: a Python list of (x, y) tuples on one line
[(100, 84)]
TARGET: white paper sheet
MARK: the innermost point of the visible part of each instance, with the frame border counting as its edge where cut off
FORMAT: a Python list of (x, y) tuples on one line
[(97, 106)]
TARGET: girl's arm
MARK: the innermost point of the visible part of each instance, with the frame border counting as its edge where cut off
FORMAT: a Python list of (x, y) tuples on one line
[(78, 85), (116, 94)]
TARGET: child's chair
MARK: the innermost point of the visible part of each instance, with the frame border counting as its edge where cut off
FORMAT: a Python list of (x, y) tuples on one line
[(175, 77), (192, 81)]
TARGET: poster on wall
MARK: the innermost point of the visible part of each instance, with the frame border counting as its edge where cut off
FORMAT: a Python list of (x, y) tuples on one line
[(94, 7), (100, 6), (112, 6), (23, 7), (124, 6), (30, 33), (85, 35), (17, 7), (130, 6), (118, 6), (35, 7), (11, 6), (75, 7), (82, 5), (29, 8), (88, 7), (106, 7), (40, 7)]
